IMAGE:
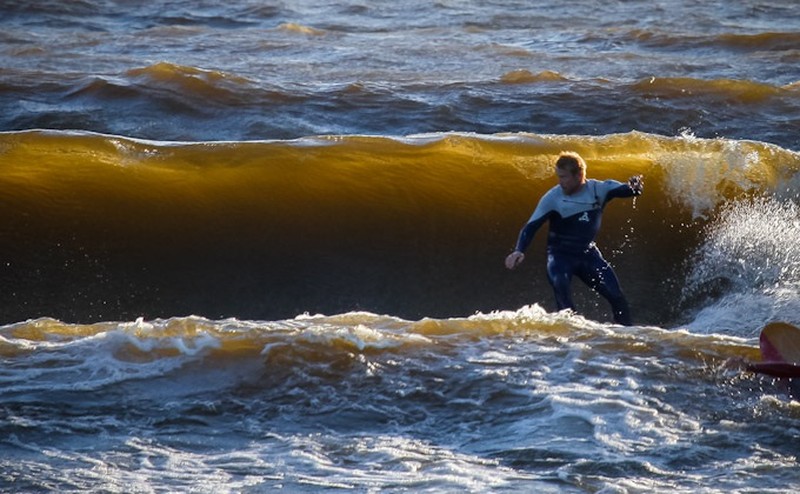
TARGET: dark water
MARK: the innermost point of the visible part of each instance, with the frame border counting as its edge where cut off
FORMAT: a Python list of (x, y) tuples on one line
[(188, 187), (246, 70)]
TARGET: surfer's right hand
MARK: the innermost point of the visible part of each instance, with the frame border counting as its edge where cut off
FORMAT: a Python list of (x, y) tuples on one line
[(636, 183), (514, 259)]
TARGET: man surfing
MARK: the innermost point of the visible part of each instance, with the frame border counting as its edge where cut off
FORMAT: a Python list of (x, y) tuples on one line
[(574, 209)]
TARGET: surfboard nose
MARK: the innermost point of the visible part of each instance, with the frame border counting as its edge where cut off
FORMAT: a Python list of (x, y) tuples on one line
[(780, 342)]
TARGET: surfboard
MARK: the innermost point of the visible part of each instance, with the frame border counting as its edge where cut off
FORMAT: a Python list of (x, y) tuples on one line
[(780, 354), (780, 342)]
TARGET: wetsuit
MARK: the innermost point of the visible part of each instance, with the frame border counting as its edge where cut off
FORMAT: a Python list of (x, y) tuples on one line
[(574, 223)]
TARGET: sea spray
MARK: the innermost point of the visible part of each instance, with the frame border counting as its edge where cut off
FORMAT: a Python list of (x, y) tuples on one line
[(746, 266)]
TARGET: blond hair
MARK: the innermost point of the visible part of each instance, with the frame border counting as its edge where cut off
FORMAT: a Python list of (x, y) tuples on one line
[(571, 162)]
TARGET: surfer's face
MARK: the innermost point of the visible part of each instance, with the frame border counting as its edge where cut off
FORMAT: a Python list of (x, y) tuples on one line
[(569, 182)]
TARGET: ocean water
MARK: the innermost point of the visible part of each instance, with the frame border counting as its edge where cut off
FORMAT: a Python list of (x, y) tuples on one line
[(258, 246)]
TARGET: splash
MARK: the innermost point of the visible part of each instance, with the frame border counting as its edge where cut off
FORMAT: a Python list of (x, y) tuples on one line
[(749, 264)]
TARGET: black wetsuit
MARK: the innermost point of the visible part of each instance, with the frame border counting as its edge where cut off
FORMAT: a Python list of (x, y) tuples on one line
[(571, 251)]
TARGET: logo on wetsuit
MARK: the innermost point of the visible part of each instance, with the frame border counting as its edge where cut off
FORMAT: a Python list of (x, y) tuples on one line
[(584, 217)]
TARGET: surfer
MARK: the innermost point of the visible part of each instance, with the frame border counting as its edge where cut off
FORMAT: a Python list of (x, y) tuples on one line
[(574, 208)]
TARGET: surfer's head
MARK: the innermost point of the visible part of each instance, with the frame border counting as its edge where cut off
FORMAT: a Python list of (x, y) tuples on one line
[(571, 172)]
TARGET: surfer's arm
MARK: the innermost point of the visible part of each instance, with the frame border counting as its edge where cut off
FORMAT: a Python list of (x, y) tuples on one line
[(524, 240), (527, 233), (634, 187)]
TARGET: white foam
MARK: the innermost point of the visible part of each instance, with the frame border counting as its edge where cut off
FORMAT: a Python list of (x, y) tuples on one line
[(752, 255)]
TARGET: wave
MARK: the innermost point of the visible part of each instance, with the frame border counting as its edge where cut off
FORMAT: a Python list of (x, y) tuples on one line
[(188, 78), (55, 356), (742, 91), (184, 89), (526, 77), (101, 227), (197, 81), (294, 27), (373, 377), (169, 101), (770, 41), (759, 42)]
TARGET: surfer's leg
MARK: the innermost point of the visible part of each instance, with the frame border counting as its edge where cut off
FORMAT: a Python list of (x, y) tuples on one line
[(600, 276), (559, 272)]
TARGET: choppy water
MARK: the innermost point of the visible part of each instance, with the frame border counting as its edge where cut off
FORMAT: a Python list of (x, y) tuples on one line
[(188, 187)]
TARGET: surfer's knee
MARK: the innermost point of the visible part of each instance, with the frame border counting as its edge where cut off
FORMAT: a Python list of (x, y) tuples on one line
[(560, 282)]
